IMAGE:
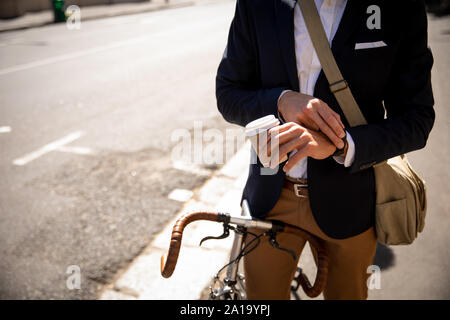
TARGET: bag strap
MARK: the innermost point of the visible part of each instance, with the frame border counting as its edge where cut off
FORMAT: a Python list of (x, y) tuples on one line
[(336, 81)]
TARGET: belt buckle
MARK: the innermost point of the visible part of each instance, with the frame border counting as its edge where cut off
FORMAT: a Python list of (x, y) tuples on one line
[(297, 187)]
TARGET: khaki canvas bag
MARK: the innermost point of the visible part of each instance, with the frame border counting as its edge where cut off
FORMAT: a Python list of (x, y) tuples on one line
[(400, 193)]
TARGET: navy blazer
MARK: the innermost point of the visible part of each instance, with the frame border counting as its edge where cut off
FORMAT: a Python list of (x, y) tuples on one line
[(259, 63)]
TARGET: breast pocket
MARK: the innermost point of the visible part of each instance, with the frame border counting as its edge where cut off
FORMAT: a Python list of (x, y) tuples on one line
[(370, 63), (372, 56)]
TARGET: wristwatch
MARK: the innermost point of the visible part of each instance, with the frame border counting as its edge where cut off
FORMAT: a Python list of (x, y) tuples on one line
[(340, 152)]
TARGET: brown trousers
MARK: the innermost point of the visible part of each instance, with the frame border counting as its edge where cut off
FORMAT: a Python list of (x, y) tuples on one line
[(269, 271)]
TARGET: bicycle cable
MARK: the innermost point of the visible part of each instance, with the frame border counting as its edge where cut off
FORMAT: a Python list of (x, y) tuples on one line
[(242, 253)]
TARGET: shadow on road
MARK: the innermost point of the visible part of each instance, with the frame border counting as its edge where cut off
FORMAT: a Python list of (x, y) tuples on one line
[(384, 257)]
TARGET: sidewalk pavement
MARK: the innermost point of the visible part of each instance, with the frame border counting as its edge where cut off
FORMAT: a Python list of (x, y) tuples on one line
[(196, 265), (42, 18)]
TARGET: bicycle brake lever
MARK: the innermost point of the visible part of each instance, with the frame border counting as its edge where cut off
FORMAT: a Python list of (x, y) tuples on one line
[(226, 233), (275, 244)]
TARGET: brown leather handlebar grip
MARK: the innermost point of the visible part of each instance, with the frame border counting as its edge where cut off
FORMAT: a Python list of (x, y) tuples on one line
[(168, 265), (322, 262)]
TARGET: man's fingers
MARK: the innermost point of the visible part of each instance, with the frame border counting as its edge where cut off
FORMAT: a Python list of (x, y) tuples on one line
[(282, 134), (293, 144), (279, 129), (271, 139), (331, 118), (263, 149), (325, 128), (308, 123), (338, 117), (293, 159)]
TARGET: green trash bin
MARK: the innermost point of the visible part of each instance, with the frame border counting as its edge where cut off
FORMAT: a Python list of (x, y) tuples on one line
[(58, 10)]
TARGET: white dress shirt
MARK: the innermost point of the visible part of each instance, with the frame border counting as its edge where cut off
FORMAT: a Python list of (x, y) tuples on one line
[(308, 66)]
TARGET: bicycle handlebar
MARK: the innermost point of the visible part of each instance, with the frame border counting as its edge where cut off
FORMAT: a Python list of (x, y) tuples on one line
[(168, 264)]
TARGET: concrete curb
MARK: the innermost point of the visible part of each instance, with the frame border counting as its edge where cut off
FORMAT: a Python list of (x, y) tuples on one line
[(34, 20), (196, 265)]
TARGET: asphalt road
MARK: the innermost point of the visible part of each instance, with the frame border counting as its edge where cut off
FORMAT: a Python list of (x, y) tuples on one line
[(86, 163), (86, 119)]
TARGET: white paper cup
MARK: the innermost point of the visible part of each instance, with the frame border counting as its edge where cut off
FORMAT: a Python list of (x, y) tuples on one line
[(257, 132)]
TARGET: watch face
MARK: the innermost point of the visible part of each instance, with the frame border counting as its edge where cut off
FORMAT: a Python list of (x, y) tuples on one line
[(338, 152)]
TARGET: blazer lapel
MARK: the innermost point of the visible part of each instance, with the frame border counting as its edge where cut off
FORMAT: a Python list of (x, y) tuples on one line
[(351, 20), (284, 12)]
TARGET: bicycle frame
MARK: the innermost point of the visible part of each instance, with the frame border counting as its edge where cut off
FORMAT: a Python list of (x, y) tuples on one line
[(233, 268), (232, 278)]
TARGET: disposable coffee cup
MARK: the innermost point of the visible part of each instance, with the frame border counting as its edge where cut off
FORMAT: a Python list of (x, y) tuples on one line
[(257, 132)]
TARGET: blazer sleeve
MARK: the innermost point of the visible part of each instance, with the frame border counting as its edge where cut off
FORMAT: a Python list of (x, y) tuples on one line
[(408, 100), (239, 93)]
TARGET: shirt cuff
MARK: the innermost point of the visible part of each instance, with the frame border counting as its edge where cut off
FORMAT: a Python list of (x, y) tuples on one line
[(279, 115), (347, 161)]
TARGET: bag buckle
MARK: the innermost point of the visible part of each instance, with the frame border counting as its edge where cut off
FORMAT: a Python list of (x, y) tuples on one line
[(297, 188), (338, 86)]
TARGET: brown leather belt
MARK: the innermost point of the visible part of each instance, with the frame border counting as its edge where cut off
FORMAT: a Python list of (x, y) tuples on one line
[(298, 186)]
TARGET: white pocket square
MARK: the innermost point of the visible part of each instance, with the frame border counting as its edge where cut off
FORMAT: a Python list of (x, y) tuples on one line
[(370, 45)]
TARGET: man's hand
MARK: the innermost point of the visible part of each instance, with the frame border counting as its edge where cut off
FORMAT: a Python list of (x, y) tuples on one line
[(312, 113), (291, 136)]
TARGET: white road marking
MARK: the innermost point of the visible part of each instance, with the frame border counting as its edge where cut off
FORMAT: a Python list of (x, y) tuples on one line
[(114, 45), (181, 195), (48, 148), (5, 129), (77, 150), (69, 56)]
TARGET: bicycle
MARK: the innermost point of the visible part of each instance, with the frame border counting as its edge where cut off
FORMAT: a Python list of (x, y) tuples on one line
[(232, 287)]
